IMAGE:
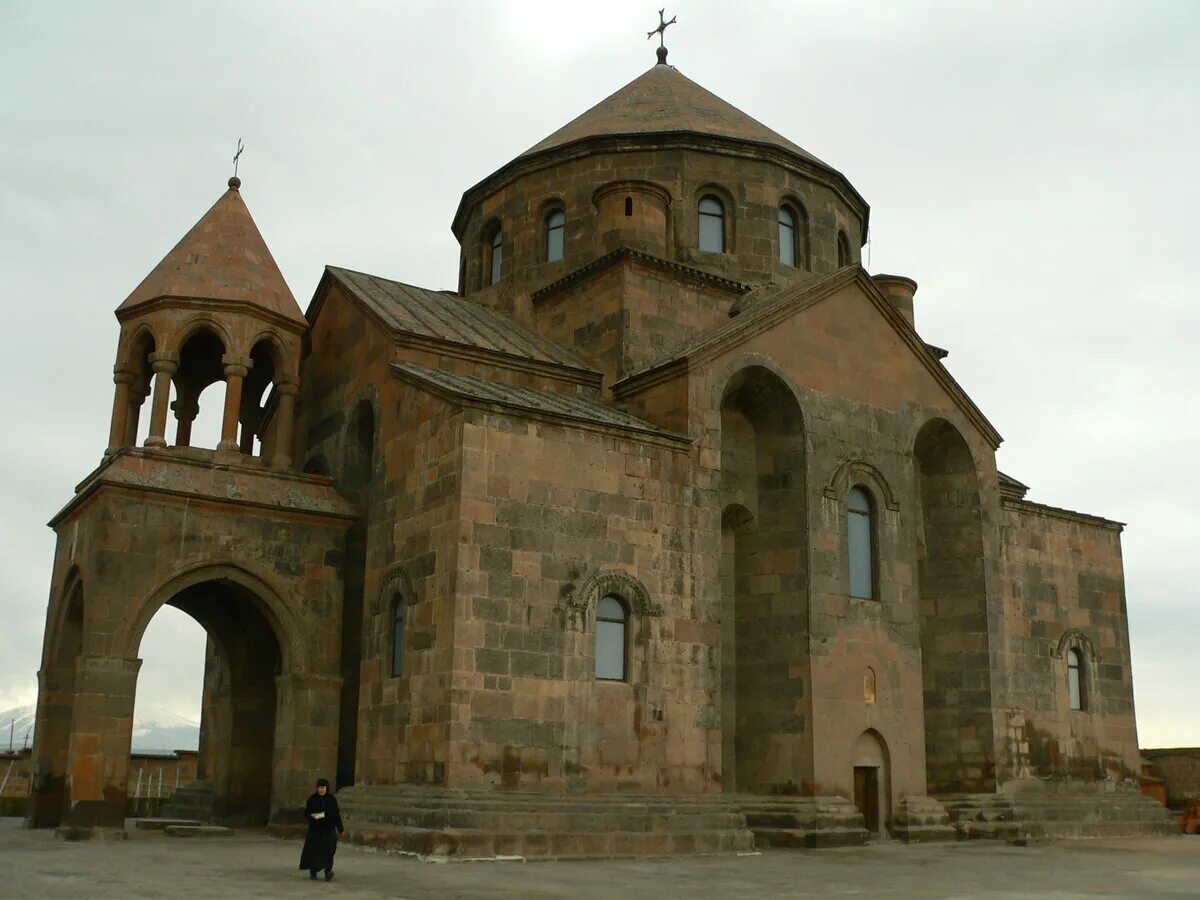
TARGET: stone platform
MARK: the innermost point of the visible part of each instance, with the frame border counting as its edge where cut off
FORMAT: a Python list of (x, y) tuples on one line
[(460, 824), (803, 821)]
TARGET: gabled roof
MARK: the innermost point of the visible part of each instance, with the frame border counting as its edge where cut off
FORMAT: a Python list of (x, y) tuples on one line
[(545, 403), (222, 258), (445, 316), (774, 306), (663, 100)]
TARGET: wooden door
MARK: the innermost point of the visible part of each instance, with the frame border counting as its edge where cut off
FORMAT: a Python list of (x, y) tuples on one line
[(866, 795)]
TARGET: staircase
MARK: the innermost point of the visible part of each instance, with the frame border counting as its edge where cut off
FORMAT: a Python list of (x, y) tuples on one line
[(803, 821), (192, 801), (465, 824), (982, 817), (1088, 812)]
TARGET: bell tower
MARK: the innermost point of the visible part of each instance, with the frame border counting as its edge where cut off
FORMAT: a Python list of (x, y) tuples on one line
[(215, 309)]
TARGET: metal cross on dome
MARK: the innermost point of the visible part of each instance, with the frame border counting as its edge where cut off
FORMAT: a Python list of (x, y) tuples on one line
[(240, 148), (661, 31)]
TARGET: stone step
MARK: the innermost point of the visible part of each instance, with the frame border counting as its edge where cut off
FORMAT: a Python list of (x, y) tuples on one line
[(478, 844), (162, 824), (803, 821), (437, 822), (197, 831)]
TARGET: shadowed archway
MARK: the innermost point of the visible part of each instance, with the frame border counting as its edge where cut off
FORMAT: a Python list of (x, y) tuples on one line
[(764, 586)]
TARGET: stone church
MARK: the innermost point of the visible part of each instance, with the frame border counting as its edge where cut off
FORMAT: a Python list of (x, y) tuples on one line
[(665, 532)]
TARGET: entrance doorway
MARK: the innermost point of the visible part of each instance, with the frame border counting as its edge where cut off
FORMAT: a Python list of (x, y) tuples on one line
[(871, 781), (866, 796)]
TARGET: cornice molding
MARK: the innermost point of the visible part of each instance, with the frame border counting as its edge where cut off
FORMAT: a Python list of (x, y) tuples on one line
[(622, 254), (742, 148)]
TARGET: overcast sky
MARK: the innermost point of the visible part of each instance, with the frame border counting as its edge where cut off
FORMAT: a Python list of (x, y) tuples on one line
[(1031, 165)]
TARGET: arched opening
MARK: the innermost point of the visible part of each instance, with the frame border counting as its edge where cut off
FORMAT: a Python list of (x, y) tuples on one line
[(237, 702), (711, 224), (764, 587), (399, 621), (860, 542), (612, 632), (955, 665), (844, 257), (1076, 683), (166, 711), (793, 234), (200, 366), (257, 411), (872, 781), (136, 365), (556, 229), (355, 483), (49, 797), (493, 253)]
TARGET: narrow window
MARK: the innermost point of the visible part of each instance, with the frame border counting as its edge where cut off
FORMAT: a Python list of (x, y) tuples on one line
[(843, 249), (497, 255), (1074, 683), (556, 226), (398, 635), (787, 236), (712, 224), (611, 622), (628, 206), (859, 533)]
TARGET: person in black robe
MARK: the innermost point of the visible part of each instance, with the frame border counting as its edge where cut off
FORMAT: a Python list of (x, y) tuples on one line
[(324, 826)]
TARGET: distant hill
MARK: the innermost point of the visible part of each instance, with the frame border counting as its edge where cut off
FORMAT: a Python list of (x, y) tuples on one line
[(159, 730)]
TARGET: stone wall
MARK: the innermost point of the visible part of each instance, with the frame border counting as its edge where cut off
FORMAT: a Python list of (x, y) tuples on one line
[(251, 555), (1179, 767), (752, 190), (554, 517), (1063, 589), (629, 313)]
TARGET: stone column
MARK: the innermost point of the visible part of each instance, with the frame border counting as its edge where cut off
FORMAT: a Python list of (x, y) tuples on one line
[(138, 393), (285, 418), (51, 744), (250, 421), (98, 760), (236, 370), (120, 414), (185, 414), (306, 729), (165, 365)]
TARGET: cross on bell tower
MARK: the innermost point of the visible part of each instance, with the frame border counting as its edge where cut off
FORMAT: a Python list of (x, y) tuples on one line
[(661, 31)]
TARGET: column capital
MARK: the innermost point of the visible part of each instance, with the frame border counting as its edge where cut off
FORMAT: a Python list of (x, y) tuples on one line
[(287, 385), (237, 370), (124, 376), (232, 359), (164, 361), (185, 409)]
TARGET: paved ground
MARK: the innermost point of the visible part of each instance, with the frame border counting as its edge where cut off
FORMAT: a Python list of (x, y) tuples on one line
[(251, 865)]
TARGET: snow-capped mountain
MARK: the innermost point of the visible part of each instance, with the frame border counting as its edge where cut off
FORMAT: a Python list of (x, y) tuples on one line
[(158, 730)]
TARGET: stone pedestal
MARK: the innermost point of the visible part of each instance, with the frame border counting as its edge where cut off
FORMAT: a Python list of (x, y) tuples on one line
[(98, 759)]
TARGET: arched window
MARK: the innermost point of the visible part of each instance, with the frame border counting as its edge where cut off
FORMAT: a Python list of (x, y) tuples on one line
[(860, 538), (843, 249), (712, 224), (398, 612), (612, 622), (556, 228), (628, 207), (496, 256), (787, 235), (1074, 679)]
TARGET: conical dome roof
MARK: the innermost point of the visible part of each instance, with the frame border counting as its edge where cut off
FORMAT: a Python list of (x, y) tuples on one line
[(223, 258), (663, 100)]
